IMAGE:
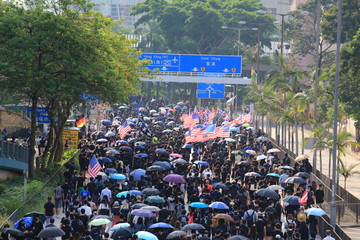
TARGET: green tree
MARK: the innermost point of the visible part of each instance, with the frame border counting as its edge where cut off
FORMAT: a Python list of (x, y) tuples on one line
[(53, 57), (190, 26), (347, 171), (350, 21)]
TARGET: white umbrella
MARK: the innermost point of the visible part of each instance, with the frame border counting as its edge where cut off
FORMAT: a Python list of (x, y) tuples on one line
[(251, 152), (230, 140), (261, 157), (274, 150), (275, 187)]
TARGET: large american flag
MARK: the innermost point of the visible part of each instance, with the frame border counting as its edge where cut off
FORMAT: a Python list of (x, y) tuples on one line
[(94, 167), (211, 129), (223, 132), (124, 129)]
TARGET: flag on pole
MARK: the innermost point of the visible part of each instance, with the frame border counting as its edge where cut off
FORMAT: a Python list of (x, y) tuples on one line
[(94, 167), (81, 122), (143, 127), (124, 129)]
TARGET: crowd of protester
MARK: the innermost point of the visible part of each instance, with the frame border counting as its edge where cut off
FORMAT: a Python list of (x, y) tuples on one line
[(220, 193)]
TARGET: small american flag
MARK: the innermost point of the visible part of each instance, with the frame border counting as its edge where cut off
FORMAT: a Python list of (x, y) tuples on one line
[(94, 167), (304, 197), (210, 130), (223, 132), (124, 129)]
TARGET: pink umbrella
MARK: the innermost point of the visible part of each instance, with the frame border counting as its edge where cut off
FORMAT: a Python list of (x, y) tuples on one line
[(174, 178), (273, 150), (176, 155)]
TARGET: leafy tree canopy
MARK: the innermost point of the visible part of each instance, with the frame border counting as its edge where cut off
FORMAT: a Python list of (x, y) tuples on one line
[(193, 26)]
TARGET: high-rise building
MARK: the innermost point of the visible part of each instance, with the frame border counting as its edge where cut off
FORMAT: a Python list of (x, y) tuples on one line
[(117, 9)]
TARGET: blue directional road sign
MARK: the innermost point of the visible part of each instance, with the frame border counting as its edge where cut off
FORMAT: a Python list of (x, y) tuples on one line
[(210, 64), (210, 90), (194, 63), (163, 62)]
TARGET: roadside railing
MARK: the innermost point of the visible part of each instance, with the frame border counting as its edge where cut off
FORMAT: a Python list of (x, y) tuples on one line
[(13, 151), (40, 194)]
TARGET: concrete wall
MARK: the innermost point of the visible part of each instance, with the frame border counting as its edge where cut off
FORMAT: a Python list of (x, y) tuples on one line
[(6, 174)]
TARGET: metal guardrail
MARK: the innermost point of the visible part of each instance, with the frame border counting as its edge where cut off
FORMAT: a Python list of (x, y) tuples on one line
[(14, 151), (15, 214)]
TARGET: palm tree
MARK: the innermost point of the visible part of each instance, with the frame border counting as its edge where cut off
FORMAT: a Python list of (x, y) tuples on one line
[(346, 171), (343, 141)]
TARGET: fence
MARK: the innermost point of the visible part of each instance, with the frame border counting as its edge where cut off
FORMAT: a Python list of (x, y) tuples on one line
[(14, 151), (344, 212), (41, 193)]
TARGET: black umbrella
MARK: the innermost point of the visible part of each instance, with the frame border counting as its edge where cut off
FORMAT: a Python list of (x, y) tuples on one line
[(150, 191), (161, 151), (40, 215), (70, 165), (221, 186), (139, 205), (204, 238), (302, 175), (295, 180), (126, 149), (122, 233), (102, 217), (176, 234), (238, 237), (51, 232), (155, 168), (13, 231), (267, 193), (292, 200), (192, 226)]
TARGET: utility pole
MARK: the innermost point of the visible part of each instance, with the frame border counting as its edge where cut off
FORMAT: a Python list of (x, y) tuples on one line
[(336, 106)]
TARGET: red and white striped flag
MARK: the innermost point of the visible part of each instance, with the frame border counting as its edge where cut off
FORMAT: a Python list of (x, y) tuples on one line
[(124, 129), (94, 167), (304, 197)]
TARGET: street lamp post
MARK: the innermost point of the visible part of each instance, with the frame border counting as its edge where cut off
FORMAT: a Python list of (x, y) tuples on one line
[(238, 37), (282, 15), (336, 106), (258, 53)]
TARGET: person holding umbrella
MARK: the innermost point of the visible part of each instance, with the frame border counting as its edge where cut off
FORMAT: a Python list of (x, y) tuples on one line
[(36, 226)]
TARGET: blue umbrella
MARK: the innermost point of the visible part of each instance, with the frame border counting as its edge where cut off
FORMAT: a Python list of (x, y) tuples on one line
[(315, 212), (118, 176), (109, 134), (139, 147), (122, 194), (219, 205), (113, 151), (178, 108), (122, 142), (27, 221), (126, 148), (141, 155), (273, 175), (104, 160), (233, 129), (146, 235), (110, 170), (188, 146), (117, 118), (201, 162), (161, 225), (137, 173), (165, 165), (198, 205), (135, 192), (106, 122), (167, 131), (132, 124)]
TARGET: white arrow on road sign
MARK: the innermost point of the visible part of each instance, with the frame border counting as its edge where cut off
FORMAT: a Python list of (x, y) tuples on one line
[(226, 70), (164, 68), (195, 69)]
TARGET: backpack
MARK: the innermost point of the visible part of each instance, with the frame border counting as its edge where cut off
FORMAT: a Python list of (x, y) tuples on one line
[(250, 219), (58, 193), (289, 236)]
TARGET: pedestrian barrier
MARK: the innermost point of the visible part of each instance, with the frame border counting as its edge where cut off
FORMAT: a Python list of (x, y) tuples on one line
[(51, 181), (13, 151)]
